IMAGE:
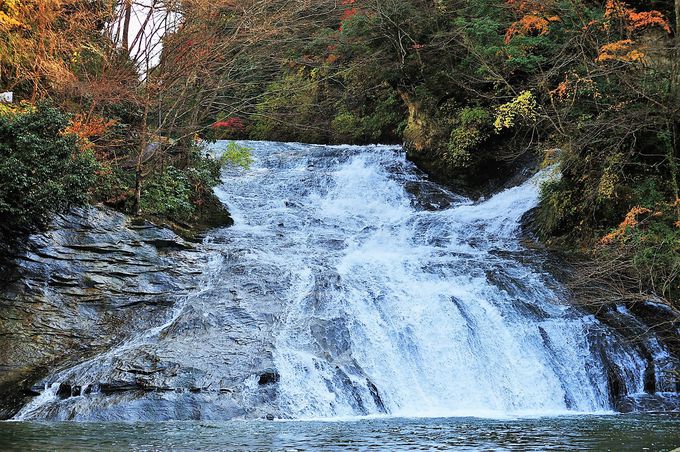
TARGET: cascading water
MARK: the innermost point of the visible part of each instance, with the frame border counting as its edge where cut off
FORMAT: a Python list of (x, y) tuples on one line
[(402, 310), (354, 286)]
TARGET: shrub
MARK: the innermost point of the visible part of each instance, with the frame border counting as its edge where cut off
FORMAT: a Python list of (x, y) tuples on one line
[(346, 127), (558, 209), (168, 194), (472, 130), (42, 169), (649, 239), (235, 155), (522, 107), (178, 194)]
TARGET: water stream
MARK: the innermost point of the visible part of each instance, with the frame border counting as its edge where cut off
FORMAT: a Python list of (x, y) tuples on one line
[(351, 285)]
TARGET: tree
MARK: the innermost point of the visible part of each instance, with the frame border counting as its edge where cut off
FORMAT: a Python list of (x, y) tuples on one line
[(42, 169), (42, 41)]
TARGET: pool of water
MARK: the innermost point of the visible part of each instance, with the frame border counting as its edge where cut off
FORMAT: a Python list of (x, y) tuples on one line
[(616, 433)]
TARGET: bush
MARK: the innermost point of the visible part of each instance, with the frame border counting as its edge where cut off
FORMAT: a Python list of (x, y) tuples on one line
[(234, 155), (178, 194), (42, 170), (557, 210), (649, 240), (471, 132), (168, 194), (346, 127)]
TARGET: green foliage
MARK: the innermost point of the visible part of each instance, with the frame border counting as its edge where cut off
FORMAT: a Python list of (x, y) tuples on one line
[(656, 255), (484, 33), (474, 116), (42, 171), (468, 135), (386, 121), (648, 192), (527, 53), (177, 194), (235, 155), (648, 240), (289, 109), (114, 186), (168, 194), (557, 209), (347, 127), (462, 141)]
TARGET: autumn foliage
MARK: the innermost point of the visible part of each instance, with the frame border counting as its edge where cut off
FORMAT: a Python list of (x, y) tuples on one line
[(623, 50), (11, 15), (41, 42), (233, 123), (530, 25), (349, 10), (631, 221), (535, 19), (616, 10), (632, 22), (88, 128)]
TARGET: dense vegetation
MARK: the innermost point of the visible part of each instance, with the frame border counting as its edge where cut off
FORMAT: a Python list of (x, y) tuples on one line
[(475, 88), (30, 192), (478, 88), (81, 128)]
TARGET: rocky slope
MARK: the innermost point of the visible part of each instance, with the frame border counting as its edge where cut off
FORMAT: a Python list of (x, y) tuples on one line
[(88, 283)]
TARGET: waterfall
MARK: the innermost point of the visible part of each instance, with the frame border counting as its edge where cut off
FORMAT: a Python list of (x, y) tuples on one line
[(352, 285), (395, 308)]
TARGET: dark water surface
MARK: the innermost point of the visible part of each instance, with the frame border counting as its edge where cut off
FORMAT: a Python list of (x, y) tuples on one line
[(615, 433)]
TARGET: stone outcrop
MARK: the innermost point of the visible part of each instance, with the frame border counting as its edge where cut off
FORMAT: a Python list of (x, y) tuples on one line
[(91, 281)]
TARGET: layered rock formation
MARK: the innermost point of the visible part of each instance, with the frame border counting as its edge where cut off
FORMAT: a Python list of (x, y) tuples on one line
[(90, 282)]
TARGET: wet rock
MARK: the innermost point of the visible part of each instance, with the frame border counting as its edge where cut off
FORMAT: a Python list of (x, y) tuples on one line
[(427, 195), (65, 391), (165, 244), (119, 386), (92, 280), (635, 330), (648, 403), (32, 391), (376, 396), (268, 378)]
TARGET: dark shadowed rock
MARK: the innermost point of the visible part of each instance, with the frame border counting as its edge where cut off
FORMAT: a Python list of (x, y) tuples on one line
[(268, 378)]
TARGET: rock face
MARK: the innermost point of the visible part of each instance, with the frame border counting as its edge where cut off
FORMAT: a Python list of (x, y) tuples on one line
[(106, 319), (90, 282), (651, 330)]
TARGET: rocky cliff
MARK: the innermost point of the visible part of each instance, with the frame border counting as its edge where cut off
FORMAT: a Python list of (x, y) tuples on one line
[(88, 283)]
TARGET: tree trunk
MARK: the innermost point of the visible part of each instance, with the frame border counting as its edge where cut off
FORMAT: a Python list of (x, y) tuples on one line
[(139, 170), (138, 193), (127, 16)]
